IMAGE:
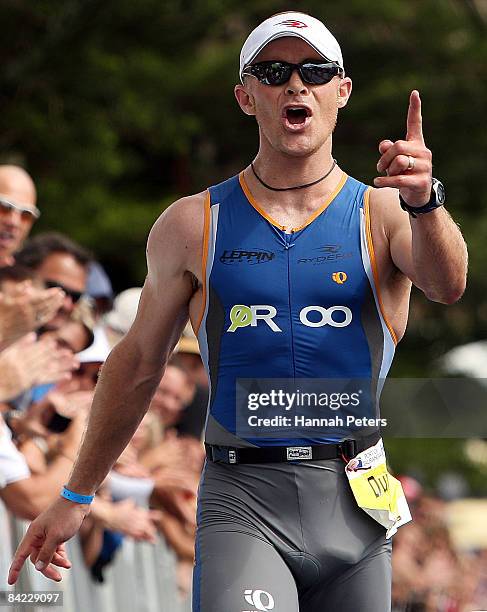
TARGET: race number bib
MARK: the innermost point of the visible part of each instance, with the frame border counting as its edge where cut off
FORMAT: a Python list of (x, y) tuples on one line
[(376, 491)]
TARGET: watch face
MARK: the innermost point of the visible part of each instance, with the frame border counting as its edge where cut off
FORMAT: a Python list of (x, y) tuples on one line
[(440, 192)]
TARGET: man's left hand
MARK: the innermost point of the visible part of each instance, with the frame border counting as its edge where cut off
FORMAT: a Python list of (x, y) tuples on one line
[(407, 163)]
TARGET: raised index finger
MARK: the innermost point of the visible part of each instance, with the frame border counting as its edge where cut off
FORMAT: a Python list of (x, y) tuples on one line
[(414, 120)]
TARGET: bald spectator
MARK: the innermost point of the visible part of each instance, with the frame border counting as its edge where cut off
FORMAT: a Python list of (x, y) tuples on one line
[(28, 308), (18, 210), (58, 262)]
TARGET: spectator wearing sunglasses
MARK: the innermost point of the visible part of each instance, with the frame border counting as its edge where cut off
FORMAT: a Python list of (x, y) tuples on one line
[(58, 262), (18, 210)]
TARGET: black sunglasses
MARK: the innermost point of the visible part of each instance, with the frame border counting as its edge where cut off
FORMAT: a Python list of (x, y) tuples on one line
[(276, 72), (74, 295), (26, 214)]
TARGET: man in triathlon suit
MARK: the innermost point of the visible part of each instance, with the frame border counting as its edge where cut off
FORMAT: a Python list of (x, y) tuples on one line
[(291, 270)]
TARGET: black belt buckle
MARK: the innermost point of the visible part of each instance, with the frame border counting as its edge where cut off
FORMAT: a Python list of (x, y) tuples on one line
[(348, 449), (219, 454)]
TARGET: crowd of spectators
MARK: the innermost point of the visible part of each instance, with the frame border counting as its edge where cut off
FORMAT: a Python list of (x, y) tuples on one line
[(430, 573), (59, 320)]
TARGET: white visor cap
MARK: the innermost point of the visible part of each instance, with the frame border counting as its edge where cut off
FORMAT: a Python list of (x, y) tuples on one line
[(300, 25)]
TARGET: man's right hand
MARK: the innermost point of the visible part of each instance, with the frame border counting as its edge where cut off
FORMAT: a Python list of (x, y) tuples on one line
[(45, 537)]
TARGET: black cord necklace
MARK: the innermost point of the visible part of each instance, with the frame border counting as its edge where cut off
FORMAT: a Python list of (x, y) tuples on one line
[(297, 186)]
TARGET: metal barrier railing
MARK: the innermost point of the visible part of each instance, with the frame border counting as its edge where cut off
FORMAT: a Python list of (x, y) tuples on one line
[(142, 577)]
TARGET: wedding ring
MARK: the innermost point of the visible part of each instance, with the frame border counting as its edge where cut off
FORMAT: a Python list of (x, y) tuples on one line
[(411, 162)]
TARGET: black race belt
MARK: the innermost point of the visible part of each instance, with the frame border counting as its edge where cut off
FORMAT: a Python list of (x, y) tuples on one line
[(280, 454)]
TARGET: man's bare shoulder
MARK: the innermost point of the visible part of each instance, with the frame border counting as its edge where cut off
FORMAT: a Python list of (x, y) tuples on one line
[(184, 217), (177, 235)]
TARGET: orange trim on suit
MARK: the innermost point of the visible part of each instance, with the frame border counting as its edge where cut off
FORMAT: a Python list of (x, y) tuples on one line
[(204, 259), (262, 212), (373, 262)]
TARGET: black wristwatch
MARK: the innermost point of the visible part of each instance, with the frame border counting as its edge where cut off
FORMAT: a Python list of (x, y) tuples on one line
[(436, 200)]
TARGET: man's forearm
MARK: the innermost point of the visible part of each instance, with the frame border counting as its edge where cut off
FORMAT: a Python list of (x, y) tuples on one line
[(439, 256), (122, 397)]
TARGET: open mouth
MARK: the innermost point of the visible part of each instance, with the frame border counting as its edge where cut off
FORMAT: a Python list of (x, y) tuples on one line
[(296, 117)]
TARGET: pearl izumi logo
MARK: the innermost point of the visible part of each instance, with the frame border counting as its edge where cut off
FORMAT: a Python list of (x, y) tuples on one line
[(261, 601), (339, 277)]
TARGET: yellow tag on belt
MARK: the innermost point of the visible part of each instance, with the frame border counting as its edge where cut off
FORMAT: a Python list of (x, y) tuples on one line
[(378, 493)]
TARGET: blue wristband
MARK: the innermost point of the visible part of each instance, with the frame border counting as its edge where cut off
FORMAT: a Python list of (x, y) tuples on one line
[(76, 497)]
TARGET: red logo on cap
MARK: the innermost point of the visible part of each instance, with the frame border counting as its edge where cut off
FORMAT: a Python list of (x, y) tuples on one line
[(290, 23)]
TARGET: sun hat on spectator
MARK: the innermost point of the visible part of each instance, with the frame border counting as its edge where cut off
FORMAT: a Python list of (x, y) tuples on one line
[(98, 351), (125, 305), (188, 342)]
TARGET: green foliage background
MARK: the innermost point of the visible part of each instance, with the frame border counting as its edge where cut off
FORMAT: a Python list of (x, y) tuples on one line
[(119, 107)]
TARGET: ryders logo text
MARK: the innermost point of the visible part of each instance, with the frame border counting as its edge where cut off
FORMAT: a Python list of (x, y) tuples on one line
[(327, 253)]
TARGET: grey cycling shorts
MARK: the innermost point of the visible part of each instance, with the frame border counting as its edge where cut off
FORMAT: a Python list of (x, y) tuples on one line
[(287, 537)]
